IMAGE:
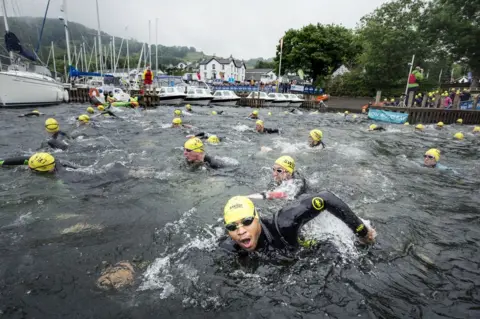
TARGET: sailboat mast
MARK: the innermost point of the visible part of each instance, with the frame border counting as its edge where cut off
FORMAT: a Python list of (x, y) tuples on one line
[(54, 63), (67, 37), (114, 66), (156, 46), (4, 9), (99, 40), (149, 45)]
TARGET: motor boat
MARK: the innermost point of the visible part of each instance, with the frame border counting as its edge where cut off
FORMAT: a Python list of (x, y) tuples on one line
[(267, 101), (225, 98), (198, 96), (295, 101), (171, 95), (279, 99), (97, 95)]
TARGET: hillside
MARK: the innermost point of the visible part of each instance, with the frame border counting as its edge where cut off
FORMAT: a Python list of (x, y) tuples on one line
[(28, 28)]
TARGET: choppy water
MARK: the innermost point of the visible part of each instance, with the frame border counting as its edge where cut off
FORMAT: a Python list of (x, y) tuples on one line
[(134, 200)]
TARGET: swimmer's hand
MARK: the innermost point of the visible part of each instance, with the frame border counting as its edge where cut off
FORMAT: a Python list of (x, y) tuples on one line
[(190, 136), (369, 238)]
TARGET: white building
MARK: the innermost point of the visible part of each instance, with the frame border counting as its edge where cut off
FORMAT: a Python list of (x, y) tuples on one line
[(340, 71), (225, 69), (265, 76)]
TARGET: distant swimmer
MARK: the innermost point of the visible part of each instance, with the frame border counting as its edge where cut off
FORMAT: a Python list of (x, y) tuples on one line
[(439, 126), (38, 162), (315, 138), (177, 122), (459, 136), (188, 107), (83, 119), (217, 112), (346, 114), (289, 183), (253, 115), (249, 232), (90, 110), (476, 130), (194, 153), (419, 128), (460, 121), (101, 108), (431, 159), (375, 127), (33, 113), (211, 138), (177, 112), (260, 128), (58, 138)]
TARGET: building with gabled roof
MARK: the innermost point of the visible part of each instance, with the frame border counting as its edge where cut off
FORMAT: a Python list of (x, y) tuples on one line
[(216, 68)]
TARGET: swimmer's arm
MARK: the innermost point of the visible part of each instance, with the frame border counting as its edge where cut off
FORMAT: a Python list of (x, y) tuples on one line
[(323, 144), (188, 126), (21, 160), (327, 200), (271, 130)]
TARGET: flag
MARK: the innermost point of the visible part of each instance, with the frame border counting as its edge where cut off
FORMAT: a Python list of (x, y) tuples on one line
[(281, 43)]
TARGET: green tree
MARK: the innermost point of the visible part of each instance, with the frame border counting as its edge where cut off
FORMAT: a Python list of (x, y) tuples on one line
[(455, 24), (317, 49), (264, 65)]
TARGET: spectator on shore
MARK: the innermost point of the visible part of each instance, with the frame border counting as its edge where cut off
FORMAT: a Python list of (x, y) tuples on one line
[(413, 81)]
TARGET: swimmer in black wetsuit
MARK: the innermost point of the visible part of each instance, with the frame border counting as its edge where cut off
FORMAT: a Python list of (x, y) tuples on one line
[(248, 232), (58, 139), (261, 129), (211, 138), (315, 138), (374, 127), (33, 113), (253, 115), (194, 153), (177, 122), (38, 162)]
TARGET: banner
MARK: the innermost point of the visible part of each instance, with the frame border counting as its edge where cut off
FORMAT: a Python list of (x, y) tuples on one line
[(297, 88)]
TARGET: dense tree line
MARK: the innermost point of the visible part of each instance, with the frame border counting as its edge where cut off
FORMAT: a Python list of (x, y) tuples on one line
[(442, 34)]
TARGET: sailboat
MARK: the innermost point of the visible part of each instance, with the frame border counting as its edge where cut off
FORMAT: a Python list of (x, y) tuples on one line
[(26, 85)]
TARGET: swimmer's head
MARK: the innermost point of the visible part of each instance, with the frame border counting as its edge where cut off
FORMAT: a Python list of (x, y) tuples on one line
[(101, 108), (90, 110), (419, 127), (259, 126), (476, 129), (177, 112), (84, 119), (242, 222), (315, 137), (392, 100), (346, 112), (372, 127), (255, 112), (51, 125), (42, 162), (283, 169), (177, 122), (213, 139), (188, 107), (36, 112), (269, 113), (431, 157), (440, 124), (459, 121), (193, 150), (406, 123), (459, 136), (214, 112)]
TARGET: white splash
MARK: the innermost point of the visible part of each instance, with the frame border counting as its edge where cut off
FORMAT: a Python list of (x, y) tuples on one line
[(242, 128)]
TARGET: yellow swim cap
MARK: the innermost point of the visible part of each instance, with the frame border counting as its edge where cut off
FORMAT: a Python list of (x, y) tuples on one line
[(238, 208), (90, 110), (194, 144), (51, 125), (84, 118), (269, 113), (316, 135), (41, 162), (346, 112), (440, 124), (178, 112), (213, 139), (459, 136), (372, 127), (392, 100), (188, 107), (354, 116), (177, 121), (259, 122), (459, 121), (255, 112), (419, 127), (287, 163), (476, 129), (214, 112), (385, 99), (434, 152), (406, 123), (35, 111), (100, 108)]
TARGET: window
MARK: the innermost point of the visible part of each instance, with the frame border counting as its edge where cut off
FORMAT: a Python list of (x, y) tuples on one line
[(199, 91), (170, 90), (218, 93), (191, 91), (213, 66)]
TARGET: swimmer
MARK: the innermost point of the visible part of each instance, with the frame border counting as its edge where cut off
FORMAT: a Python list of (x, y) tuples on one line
[(217, 112), (58, 139), (106, 113), (110, 98), (188, 107), (90, 110), (260, 128), (459, 136), (419, 128), (346, 114), (459, 121), (315, 138), (476, 130), (211, 138), (253, 115), (177, 122), (38, 162), (289, 182), (406, 124), (101, 108), (177, 113), (375, 127), (33, 113), (431, 158), (194, 153), (249, 232), (439, 126), (83, 119)]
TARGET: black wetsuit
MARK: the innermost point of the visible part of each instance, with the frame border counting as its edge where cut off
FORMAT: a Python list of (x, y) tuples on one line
[(379, 129), (270, 130), (320, 143), (57, 140), (212, 162), (282, 233), (30, 114), (204, 136), (109, 113), (23, 160)]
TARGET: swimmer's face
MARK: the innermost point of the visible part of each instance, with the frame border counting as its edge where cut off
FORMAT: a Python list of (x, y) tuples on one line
[(280, 174), (259, 128), (429, 161), (191, 156), (312, 142), (247, 236), (176, 125)]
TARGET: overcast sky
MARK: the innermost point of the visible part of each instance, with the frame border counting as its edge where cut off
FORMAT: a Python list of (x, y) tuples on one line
[(247, 29)]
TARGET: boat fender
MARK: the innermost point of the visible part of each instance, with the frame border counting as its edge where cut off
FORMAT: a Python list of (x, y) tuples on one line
[(93, 92), (66, 96)]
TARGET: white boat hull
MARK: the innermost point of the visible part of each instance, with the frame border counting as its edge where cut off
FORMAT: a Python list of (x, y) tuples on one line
[(19, 89), (280, 103), (198, 101), (171, 100), (296, 103), (225, 102)]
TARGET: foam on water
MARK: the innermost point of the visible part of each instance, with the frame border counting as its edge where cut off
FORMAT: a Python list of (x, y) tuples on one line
[(242, 128)]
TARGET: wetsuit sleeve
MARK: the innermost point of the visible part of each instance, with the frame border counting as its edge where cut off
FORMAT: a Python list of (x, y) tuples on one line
[(54, 143), (202, 135), (323, 144), (379, 129), (21, 160), (228, 245), (291, 219), (271, 130), (63, 134), (109, 113), (213, 163), (30, 114)]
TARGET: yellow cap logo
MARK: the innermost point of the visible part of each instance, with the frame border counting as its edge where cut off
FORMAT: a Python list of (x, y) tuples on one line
[(318, 203)]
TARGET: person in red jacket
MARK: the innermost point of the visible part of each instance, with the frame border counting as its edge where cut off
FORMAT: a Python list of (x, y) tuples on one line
[(148, 78)]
